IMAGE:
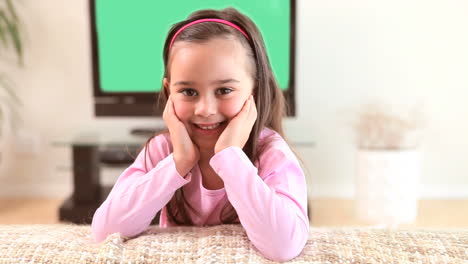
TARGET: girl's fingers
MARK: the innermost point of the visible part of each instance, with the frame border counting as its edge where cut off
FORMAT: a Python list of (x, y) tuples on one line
[(170, 106), (246, 108), (170, 109), (249, 105), (252, 109), (246, 111), (166, 109)]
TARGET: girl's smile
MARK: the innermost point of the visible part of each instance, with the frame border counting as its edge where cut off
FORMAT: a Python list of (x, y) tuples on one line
[(213, 129)]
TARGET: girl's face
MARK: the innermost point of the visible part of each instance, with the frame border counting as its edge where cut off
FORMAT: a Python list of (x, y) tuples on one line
[(209, 83)]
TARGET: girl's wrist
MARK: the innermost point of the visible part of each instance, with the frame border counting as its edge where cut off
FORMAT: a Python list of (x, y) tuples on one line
[(182, 170), (218, 150), (182, 167)]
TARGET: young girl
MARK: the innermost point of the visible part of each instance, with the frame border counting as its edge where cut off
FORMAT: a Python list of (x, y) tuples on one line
[(223, 159)]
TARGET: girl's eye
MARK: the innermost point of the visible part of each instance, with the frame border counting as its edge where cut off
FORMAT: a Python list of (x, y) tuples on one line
[(188, 92), (223, 91)]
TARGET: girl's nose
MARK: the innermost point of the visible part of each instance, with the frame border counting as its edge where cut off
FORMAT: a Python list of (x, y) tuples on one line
[(206, 106)]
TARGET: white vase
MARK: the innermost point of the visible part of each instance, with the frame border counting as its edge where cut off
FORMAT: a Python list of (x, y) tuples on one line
[(387, 186)]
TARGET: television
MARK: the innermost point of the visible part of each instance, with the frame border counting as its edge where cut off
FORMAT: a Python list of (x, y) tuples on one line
[(127, 39)]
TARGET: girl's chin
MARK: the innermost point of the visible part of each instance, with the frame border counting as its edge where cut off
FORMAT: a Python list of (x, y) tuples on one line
[(205, 143)]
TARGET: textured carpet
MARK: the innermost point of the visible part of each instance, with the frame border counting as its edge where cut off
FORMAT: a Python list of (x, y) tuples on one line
[(227, 244)]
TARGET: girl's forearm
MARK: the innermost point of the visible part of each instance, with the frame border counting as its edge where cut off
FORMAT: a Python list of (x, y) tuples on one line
[(272, 209), (135, 199)]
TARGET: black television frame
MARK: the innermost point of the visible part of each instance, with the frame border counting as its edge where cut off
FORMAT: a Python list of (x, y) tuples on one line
[(108, 104)]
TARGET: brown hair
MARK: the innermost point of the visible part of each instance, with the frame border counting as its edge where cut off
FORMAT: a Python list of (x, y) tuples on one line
[(269, 99)]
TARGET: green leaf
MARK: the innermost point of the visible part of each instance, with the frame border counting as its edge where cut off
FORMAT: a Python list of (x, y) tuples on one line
[(4, 83), (10, 37), (9, 32), (11, 9), (2, 30), (17, 42)]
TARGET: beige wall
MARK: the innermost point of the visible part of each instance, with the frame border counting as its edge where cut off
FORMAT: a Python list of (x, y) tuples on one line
[(400, 52)]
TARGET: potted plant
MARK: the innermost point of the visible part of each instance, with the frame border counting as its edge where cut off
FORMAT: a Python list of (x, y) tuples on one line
[(388, 164), (10, 44)]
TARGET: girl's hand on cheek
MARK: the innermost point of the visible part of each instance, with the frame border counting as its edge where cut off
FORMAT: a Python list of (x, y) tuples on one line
[(238, 130), (186, 154)]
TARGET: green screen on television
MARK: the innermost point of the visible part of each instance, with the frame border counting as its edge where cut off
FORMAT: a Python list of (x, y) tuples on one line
[(131, 37)]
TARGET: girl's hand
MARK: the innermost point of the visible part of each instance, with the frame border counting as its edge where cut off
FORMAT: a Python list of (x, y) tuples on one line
[(186, 154), (238, 130)]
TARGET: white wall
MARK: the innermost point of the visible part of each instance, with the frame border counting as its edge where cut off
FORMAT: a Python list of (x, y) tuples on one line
[(348, 53), (402, 52)]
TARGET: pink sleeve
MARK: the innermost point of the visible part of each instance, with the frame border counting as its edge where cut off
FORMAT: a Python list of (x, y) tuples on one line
[(139, 193), (271, 205)]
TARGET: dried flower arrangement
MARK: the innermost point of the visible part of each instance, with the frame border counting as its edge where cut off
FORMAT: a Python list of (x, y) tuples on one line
[(379, 128)]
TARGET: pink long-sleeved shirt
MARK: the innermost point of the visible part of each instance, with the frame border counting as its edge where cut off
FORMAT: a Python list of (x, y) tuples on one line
[(270, 197)]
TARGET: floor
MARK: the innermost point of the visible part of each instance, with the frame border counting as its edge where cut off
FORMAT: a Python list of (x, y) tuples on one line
[(431, 214), (324, 212)]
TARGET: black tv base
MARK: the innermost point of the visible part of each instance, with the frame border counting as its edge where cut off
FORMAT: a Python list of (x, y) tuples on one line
[(77, 212)]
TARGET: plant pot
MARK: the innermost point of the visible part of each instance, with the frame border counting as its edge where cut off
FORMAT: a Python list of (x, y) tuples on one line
[(387, 186)]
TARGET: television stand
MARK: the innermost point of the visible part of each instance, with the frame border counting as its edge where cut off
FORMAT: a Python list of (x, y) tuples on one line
[(90, 153), (146, 132)]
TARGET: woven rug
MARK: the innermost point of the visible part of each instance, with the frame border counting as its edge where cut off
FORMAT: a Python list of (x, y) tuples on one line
[(227, 244)]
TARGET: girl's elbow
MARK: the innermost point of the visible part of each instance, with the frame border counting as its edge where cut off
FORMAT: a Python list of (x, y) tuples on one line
[(97, 236), (284, 252), (101, 227), (288, 248), (98, 231)]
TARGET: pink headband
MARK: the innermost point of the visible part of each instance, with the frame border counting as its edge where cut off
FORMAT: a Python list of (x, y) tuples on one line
[(222, 21)]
